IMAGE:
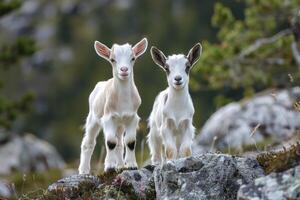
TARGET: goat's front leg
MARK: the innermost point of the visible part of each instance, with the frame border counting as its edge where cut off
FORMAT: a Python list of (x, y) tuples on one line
[(185, 149), (114, 145), (169, 143), (92, 129), (130, 142)]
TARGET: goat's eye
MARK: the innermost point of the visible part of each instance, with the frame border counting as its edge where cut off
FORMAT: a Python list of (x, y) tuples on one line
[(112, 60), (187, 68), (167, 69), (133, 59)]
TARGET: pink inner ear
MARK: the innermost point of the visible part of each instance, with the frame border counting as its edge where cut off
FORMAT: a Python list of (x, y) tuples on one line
[(139, 48), (103, 50)]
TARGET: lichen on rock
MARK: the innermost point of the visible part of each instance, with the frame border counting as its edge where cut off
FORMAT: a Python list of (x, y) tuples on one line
[(206, 176), (276, 186)]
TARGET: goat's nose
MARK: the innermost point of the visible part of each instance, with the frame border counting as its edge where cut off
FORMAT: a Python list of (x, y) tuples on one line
[(124, 69), (178, 78)]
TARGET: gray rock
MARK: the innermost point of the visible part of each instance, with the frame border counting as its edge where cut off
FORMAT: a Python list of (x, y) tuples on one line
[(27, 154), (140, 181), (276, 186), (207, 176), (232, 125), (71, 187), (136, 184), (6, 190)]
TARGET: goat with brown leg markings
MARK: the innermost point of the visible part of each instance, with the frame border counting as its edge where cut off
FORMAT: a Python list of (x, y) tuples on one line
[(113, 106), (170, 121)]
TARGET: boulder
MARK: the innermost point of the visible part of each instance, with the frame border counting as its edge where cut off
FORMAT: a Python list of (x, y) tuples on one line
[(207, 176), (267, 115), (27, 154), (276, 186)]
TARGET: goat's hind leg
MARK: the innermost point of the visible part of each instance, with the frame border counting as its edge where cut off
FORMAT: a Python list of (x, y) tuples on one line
[(92, 129)]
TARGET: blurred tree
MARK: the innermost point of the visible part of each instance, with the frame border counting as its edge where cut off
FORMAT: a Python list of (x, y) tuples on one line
[(10, 54), (252, 53)]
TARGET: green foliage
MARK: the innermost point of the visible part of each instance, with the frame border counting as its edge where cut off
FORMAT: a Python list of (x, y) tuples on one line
[(240, 59), (9, 110), (8, 6), (10, 54)]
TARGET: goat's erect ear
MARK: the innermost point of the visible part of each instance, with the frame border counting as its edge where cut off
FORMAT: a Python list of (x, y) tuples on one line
[(158, 57), (194, 53), (102, 50), (140, 47)]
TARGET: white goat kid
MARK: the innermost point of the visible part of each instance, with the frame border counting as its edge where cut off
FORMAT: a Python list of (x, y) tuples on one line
[(170, 121), (113, 106)]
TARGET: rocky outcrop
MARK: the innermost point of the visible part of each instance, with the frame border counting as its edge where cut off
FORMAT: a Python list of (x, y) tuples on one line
[(270, 115), (276, 186), (204, 176), (27, 154)]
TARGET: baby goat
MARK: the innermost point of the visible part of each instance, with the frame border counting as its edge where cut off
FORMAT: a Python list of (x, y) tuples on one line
[(170, 121), (113, 106)]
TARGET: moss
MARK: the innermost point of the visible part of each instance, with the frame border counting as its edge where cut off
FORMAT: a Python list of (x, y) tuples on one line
[(278, 161), (108, 177)]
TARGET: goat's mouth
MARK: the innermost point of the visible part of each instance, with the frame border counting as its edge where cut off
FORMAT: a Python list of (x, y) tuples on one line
[(124, 74), (178, 85)]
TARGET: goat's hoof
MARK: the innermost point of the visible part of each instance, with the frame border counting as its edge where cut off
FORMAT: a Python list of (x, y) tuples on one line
[(84, 172), (150, 167), (110, 170), (131, 168)]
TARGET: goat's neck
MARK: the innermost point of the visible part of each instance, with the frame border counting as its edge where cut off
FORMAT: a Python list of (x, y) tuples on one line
[(178, 96), (123, 86)]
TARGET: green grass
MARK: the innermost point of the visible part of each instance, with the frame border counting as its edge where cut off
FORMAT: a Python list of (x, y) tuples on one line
[(30, 185)]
